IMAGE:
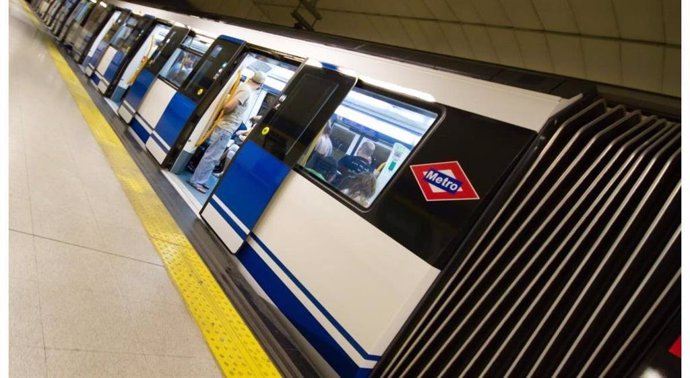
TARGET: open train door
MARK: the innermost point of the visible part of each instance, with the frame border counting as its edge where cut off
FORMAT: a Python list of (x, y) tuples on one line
[(272, 149)]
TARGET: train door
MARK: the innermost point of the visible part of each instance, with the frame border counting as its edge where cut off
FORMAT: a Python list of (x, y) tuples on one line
[(48, 16), (150, 65), (63, 15), (102, 41), (75, 20), (271, 150), (173, 71), (133, 43), (81, 38), (196, 94), (278, 70)]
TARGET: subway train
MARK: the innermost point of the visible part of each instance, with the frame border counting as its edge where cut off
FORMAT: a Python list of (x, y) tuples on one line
[(463, 218)]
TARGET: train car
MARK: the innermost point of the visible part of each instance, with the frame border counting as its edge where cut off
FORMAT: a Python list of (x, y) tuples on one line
[(76, 19), (137, 38), (321, 251), (349, 203), (80, 39)]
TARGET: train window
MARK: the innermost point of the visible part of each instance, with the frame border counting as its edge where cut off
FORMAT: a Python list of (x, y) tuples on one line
[(129, 32), (183, 60), (365, 142), (112, 31), (95, 18)]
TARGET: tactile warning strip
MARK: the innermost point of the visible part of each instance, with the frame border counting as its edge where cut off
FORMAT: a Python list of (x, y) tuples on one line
[(235, 348)]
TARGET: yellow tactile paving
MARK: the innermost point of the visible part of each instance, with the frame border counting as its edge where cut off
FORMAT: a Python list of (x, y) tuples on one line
[(235, 348)]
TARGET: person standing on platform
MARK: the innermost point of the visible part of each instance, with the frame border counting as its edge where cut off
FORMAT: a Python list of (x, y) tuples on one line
[(233, 116)]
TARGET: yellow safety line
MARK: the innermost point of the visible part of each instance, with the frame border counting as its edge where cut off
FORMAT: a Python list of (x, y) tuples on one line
[(232, 343)]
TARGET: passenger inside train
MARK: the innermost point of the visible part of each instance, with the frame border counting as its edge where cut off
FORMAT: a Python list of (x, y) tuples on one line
[(276, 75), (364, 143)]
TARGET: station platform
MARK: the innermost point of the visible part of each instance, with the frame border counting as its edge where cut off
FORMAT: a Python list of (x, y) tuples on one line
[(97, 289)]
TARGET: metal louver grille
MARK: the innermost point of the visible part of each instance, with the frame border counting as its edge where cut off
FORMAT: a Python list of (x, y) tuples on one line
[(576, 272)]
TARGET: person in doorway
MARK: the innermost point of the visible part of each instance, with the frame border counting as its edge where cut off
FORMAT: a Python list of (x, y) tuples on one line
[(233, 115)]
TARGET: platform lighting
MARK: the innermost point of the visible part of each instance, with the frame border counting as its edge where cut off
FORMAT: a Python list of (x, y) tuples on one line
[(399, 89), (104, 5)]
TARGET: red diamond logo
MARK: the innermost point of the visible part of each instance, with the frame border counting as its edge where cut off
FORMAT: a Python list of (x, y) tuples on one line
[(444, 181)]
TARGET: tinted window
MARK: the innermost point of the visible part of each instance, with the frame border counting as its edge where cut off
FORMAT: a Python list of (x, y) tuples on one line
[(213, 64)]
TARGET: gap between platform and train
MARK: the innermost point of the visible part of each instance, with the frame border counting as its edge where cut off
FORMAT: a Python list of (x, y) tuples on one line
[(232, 343)]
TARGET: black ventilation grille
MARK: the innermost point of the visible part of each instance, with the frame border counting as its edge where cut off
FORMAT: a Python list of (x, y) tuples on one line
[(576, 272)]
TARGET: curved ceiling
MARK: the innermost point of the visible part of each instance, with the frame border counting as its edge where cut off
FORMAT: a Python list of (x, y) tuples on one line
[(629, 43)]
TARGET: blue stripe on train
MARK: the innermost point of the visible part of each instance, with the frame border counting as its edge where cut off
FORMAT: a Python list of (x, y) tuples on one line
[(141, 85), (298, 315), (250, 182), (174, 118), (316, 303), (140, 130)]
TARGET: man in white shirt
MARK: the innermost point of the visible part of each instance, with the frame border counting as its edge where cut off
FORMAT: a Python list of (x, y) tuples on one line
[(233, 115)]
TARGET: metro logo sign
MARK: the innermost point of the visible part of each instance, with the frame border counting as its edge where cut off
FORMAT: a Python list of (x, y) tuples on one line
[(444, 181)]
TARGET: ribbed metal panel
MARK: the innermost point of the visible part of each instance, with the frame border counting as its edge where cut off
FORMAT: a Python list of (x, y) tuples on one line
[(578, 268)]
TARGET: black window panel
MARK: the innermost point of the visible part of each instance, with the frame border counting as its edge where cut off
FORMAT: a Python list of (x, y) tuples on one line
[(115, 27), (309, 100), (96, 17), (175, 36), (289, 122), (129, 33), (216, 61)]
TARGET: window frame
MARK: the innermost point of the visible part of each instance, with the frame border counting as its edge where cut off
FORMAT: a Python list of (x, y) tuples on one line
[(184, 49), (343, 198)]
